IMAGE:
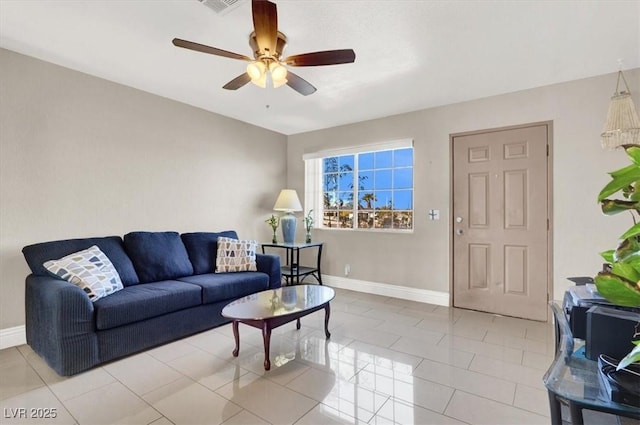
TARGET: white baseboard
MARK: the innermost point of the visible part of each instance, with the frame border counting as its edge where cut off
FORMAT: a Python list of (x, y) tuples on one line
[(384, 289), (11, 337)]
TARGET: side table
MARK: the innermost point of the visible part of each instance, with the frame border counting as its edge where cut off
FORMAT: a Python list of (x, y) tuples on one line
[(292, 270), (573, 379)]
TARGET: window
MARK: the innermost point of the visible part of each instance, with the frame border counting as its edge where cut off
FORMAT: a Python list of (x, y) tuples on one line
[(368, 187)]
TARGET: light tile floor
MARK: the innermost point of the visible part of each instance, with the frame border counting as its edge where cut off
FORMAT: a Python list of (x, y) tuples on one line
[(388, 361)]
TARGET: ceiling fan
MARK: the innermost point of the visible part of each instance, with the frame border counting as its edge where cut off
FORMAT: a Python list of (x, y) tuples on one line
[(267, 44)]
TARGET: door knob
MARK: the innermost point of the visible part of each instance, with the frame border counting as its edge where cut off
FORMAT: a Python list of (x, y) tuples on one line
[(459, 232), (458, 219)]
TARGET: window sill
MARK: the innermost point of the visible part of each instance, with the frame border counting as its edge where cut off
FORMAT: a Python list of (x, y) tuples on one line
[(395, 231)]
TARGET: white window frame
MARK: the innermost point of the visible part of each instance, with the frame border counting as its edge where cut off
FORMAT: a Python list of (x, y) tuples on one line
[(313, 191)]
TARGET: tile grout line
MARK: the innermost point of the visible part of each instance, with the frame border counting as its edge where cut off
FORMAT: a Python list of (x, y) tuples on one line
[(46, 384), (351, 341)]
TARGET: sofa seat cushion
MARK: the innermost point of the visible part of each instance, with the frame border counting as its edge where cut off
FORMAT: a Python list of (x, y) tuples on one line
[(202, 248), (144, 301), (225, 286), (157, 256)]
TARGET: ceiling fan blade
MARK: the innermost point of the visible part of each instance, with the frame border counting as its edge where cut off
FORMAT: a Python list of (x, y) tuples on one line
[(299, 84), (237, 82), (208, 49), (265, 24), (328, 57)]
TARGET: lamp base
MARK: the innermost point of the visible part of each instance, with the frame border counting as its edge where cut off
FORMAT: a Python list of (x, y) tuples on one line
[(288, 224)]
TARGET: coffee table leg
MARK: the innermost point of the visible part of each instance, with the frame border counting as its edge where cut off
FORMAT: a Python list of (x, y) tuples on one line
[(236, 335), (298, 324), (327, 313), (266, 335)]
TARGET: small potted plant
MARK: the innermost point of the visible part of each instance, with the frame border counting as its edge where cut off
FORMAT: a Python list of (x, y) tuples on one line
[(273, 222), (308, 225)]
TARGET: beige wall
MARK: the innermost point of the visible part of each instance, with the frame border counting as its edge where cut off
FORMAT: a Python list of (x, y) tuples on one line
[(421, 259), (81, 156)]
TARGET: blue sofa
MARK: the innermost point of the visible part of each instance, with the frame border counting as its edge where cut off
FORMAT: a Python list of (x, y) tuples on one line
[(170, 291)]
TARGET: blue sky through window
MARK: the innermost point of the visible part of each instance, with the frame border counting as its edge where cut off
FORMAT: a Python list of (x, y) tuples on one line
[(379, 181)]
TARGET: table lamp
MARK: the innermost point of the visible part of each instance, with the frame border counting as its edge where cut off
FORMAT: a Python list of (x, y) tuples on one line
[(288, 202)]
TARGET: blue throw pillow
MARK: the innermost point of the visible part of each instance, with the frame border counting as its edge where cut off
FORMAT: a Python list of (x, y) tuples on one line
[(202, 248), (157, 255)]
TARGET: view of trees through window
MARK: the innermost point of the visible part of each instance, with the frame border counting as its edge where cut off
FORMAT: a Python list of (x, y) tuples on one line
[(371, 190)]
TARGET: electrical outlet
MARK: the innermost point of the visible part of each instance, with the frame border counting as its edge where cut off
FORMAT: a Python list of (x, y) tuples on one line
[(347, 269)]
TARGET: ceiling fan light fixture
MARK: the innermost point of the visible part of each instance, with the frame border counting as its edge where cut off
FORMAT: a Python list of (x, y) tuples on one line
[(260, 82), (256, 70), (278, 73), (279, 83), (267, 68)]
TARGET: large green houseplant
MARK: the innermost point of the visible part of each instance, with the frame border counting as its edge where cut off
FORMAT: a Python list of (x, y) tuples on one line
[(620, 284)]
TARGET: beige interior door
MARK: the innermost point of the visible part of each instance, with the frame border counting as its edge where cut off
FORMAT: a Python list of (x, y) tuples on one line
[(500, 221)]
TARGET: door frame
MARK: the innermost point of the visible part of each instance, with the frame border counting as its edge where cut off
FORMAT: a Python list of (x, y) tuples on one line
[(549, 125)]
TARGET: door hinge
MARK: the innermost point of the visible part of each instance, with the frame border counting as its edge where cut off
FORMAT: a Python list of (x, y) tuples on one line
[(547, 224), (547, 150)]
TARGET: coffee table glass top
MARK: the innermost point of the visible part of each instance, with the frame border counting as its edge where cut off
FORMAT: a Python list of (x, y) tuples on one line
[(278, 302)]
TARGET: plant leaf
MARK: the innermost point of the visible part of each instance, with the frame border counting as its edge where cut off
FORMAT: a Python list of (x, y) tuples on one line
[(608, 255), (633, 261), (635, 195), (634, 154), (628, 257), (632, 357), (623, 171), (631, 232), (616, 290), (619, 182), (627, 249), (626, 271), (615, 206)]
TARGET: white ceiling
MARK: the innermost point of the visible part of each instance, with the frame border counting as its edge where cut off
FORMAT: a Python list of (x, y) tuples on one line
[(410, 55)]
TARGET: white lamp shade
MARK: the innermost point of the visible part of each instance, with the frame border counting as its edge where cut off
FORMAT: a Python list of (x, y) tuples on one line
[(288, 201)]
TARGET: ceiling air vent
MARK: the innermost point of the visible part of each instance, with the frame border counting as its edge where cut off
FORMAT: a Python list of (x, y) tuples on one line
[(222, 7)]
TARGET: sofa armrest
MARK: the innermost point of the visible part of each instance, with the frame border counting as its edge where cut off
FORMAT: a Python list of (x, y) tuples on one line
[(60, 324), (270, 264)]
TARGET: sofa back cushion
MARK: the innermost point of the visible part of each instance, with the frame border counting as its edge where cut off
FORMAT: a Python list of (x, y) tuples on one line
[(203, 249), (157, 256), (112, 246)]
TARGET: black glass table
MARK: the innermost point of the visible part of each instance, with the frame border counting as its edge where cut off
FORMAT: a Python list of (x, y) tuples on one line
[(272, 308), (573, 379), (292, 270)]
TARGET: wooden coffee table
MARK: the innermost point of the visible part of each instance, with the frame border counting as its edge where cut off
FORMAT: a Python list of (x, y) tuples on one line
[(272, 308)]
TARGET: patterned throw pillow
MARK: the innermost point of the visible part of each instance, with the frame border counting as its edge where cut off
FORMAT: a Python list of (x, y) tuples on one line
[(89, 269), (236, 255)]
